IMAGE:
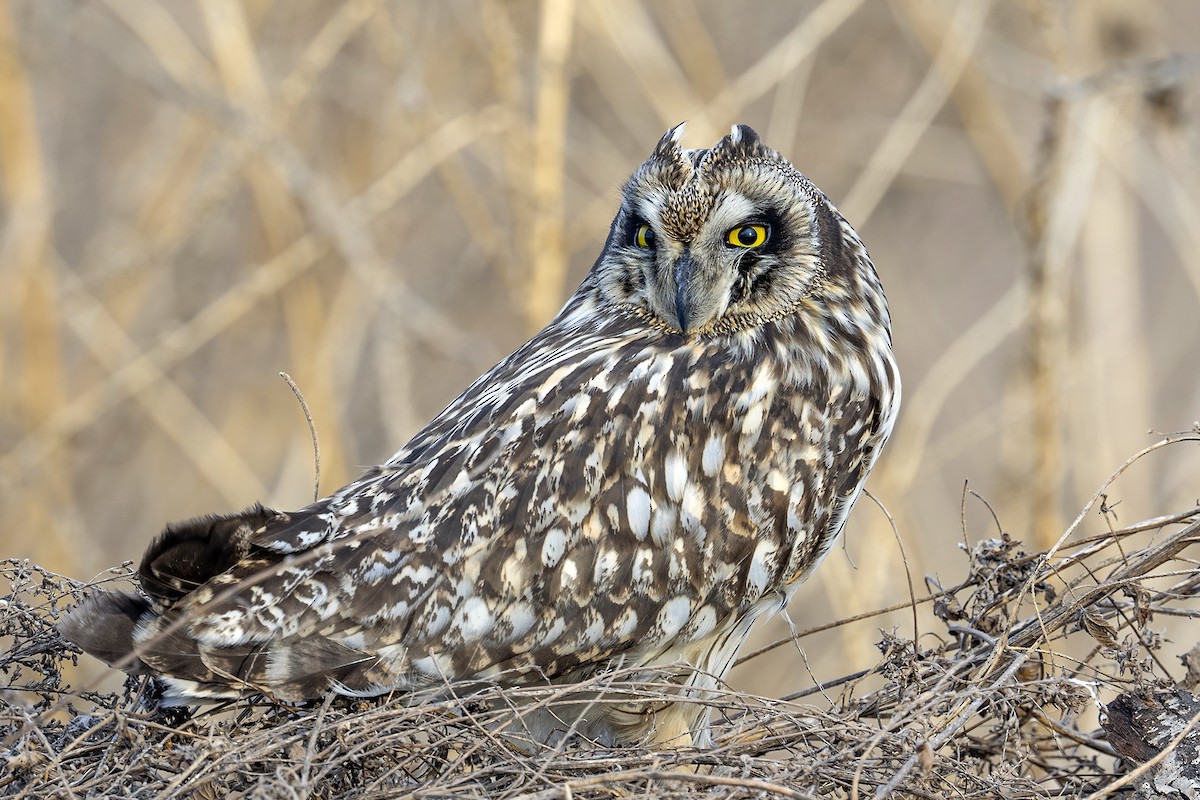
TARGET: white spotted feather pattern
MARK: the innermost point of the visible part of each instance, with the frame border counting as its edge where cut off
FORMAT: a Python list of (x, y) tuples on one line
[(665, 461)]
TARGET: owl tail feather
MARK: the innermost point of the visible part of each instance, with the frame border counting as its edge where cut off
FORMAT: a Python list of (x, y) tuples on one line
[(188, 554), (103, 625), (150, 633), (111, 625), (124, 630)]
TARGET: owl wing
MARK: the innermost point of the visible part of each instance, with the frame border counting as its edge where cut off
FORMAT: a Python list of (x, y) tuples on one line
[(475, 549)]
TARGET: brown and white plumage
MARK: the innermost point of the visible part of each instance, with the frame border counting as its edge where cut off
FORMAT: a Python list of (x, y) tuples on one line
[(665, 461)]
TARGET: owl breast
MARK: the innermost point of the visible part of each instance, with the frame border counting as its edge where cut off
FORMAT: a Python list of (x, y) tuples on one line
[(653, 491)]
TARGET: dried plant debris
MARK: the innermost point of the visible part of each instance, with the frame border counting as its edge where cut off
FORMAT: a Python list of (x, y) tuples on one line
[(1044, 676)]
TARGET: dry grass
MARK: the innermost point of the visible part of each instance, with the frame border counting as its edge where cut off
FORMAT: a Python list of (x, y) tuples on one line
[(1000, 699)]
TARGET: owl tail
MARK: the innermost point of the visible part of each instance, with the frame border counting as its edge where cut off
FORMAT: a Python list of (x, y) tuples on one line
[(149, 633), (125, 630), (110, 625), (189, 554), (103, 625)]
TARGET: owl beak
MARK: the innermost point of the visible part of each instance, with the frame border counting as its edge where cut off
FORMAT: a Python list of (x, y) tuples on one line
[(685, 271)]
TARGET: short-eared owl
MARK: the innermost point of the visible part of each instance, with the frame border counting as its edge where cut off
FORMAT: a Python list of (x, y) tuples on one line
[(630, 489)]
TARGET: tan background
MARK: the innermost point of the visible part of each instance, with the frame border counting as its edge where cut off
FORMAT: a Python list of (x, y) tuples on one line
[(384, 198)]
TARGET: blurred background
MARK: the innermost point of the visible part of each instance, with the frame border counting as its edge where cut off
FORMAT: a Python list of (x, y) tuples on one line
[(384, 198)]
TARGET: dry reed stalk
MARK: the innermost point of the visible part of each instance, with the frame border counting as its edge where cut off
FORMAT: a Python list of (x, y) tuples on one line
[(1169, 190), (787, 104), (699, 56), (544, 246), (174, 50), (177, 415), (1056, 215), (245, 89), (214, 455), (319, 55), (983, 118), (952, 58), (629, 30), (264, 280), (504, 62), (28, 311), (278, 213), (989, 130), (1114, 338), (794, 47)]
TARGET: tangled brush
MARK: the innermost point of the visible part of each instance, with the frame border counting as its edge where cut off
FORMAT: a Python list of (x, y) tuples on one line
[(1048, 676)]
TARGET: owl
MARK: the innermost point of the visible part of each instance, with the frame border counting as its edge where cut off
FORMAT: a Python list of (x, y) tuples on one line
[(627, 492)]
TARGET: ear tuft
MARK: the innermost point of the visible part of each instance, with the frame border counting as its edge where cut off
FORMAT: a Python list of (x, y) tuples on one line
[(744, 137), (671, 163), (668, 147)]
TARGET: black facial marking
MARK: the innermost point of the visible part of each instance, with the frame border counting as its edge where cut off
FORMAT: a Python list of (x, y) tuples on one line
[(778, 239), (630, 282), (761, 283), (740, 289)]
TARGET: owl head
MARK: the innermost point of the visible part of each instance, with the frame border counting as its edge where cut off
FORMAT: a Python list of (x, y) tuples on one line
[(718, 239)]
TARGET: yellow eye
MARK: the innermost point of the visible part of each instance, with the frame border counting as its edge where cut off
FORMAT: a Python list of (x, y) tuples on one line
[(644, 237), (748, 236)]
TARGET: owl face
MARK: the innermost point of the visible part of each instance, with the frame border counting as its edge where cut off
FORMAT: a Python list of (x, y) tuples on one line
[(716, 239)]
